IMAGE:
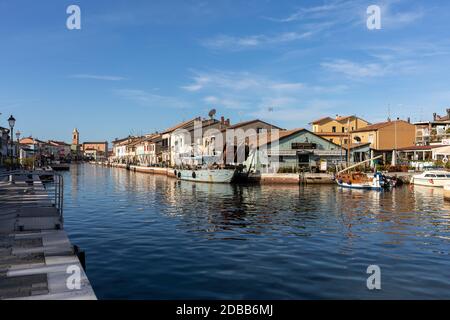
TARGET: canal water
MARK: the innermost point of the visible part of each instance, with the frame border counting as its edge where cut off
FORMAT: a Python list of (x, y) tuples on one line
[(153, 237)]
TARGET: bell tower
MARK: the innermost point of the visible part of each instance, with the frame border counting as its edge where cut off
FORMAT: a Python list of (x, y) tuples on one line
[(75, 137)]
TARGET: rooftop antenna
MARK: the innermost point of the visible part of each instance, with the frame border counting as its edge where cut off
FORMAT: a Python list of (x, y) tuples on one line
[(212, 113)]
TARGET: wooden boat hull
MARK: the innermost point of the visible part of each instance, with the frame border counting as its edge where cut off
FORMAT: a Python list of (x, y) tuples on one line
[(359, 186), (361, 181), (209, 176)]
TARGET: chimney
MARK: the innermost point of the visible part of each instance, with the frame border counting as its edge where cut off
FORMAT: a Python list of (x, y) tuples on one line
[(409, 120), (337, 116), (398, 119), (448, 113), (227, 122), (434, 116), (222, 120)]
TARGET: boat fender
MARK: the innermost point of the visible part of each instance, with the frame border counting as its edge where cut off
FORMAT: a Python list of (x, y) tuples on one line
[(175, 173), (179, 174), (194, 175)]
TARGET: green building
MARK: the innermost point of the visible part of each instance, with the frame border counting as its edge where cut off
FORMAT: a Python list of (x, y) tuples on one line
[(294, 151)]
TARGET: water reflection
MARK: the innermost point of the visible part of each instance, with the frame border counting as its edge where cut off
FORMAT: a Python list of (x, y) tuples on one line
[(237, 241)]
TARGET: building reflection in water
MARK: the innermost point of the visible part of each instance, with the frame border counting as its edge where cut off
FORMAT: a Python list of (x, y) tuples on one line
[(229, 211)]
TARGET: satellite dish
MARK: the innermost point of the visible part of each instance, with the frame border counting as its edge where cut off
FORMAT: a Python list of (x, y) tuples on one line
[(212, 113)]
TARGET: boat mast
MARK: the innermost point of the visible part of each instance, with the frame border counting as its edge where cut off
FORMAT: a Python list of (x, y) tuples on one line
[(359, 163)]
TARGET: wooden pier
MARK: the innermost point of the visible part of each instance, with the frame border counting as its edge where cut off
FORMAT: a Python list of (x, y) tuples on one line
[(37, 260)]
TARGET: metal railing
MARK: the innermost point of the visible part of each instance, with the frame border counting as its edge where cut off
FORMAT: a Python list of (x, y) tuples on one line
[(54, 187)]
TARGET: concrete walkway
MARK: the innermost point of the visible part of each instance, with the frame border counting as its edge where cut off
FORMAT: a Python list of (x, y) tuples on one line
[(37, 260)]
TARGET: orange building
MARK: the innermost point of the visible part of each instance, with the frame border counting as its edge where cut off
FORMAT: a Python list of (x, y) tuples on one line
[(385, 137), (97, 150)]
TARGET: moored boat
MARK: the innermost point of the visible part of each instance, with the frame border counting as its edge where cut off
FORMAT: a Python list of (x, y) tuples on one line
[(359, 180), (204, 169), (434, 178), (206, 175)]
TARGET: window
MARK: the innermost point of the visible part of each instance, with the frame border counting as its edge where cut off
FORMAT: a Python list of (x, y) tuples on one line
[(345, 141), (258, 130), (343, 129), (430, 176), (333, 129), (441, 175)]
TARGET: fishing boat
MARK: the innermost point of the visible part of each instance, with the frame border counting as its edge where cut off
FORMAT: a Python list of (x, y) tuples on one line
[(205, 169), (206, 175), (432, 178), (360, 180)]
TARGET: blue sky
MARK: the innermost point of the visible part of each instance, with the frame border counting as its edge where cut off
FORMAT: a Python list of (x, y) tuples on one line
[(140, 66)]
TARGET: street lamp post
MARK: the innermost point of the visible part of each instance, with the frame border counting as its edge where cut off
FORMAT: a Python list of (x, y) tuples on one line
[(18, 145), (12, 123)]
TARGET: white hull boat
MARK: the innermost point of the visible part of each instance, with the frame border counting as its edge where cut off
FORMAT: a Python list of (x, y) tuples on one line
[(436, 179), (206, 175)]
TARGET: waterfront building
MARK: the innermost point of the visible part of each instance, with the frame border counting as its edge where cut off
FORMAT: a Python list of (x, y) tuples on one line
[(4, 139), (167, 144), (186, 142), (215, 142), (32, 148), (148, 150), (293, 151), (59, 149), (337, 130), (418, 153), (434, 132), (96, 150), (385, 138), (122, 150)]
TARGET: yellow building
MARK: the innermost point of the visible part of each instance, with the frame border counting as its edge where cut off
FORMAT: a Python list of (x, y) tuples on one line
[(337, 130)]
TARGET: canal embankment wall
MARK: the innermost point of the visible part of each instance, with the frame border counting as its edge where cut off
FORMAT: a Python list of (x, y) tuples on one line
[(37, 259), (262, 178)]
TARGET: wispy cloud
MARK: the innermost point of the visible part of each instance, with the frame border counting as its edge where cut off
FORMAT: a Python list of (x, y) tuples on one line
[(358, 70), (340, 14), (355, 70), (262, 96), (253, 41), (296, 112), (149, 99), (97, 77), (312, 12), (238, 81)]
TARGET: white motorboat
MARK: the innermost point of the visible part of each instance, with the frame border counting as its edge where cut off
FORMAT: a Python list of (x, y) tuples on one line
[(432, 178)]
